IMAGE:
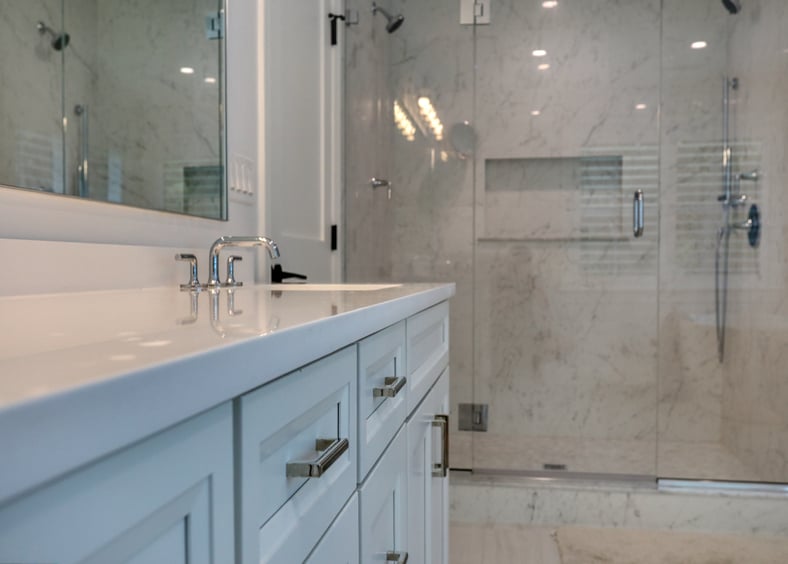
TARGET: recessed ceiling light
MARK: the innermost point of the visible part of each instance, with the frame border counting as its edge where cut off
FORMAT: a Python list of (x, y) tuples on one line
[(699, 45), (539, 53), (549, 3), (187, 70), (210, 80), (535, 112), (543, 66), (641, 107)]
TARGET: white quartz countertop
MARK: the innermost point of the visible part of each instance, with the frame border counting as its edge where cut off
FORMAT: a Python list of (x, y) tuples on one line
[(84, 374)]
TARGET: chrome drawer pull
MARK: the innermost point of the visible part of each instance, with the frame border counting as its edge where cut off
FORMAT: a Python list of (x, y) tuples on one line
[(332, 449), (391, 389), (441, 469), (398, 557)]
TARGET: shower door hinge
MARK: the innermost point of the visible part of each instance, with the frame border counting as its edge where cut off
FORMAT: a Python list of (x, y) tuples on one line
[(475, 12), (214, 26), (334, 237), (473, 417)]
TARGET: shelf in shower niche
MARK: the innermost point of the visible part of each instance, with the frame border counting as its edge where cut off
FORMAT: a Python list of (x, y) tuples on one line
[(552, 239), (561, 198)]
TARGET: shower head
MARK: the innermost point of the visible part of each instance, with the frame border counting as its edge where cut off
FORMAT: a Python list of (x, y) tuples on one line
[(733, 6), (59, 40), (393, 23)]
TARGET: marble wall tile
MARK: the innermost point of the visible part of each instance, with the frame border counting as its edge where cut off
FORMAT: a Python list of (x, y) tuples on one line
[(424, 232), (569, 334), (755, 424), (474, 501)]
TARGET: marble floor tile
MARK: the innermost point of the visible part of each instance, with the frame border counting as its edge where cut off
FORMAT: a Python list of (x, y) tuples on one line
[(476, 544), (520, 544), (578, 545)]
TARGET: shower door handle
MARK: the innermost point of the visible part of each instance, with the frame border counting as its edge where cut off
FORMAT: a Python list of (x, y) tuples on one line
[(638, 221)]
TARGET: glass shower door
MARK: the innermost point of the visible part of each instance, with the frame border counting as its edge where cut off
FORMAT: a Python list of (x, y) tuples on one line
[(566, 111)]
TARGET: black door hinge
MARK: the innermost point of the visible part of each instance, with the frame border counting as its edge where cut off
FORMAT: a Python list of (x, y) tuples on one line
[(334, 243), (334, 18)]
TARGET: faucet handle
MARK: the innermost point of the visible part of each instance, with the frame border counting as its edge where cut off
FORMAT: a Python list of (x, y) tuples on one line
[(231, 282), (193, 284)]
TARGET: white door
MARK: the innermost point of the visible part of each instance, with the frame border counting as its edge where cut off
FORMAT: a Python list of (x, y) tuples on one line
[(303, 137)]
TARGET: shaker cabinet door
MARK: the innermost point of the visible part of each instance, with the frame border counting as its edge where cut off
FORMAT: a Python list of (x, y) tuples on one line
[(384, 510), (168, 500), (428, 477)]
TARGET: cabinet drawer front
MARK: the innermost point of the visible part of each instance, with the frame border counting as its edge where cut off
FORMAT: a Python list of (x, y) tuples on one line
[(384, 504), (428, 350), (166, 499), (280, 428), (340, 543), (382, 393)]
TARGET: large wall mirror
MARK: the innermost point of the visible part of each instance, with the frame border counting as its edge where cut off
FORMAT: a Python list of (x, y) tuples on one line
[(115, 100)]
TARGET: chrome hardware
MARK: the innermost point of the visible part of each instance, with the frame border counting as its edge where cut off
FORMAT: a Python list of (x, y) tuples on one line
[(381, 183), (331, 449), (222, 242), (473, 416), (231, 311), (231, 282), (81, 110), (638, 221), (193, 284), (441, 469), (752, 225), (752, 176), (398, 557), (351, 17), (392, 387), (733, 201), (193, 310)]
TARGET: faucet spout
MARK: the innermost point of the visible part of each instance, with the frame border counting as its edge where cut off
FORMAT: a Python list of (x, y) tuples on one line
[(222, 242)]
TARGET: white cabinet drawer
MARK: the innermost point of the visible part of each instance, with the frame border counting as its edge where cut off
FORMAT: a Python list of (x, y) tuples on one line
[(428, 483), (428, 350), (382, 392), (383, 505), (340, 543), (168, 499), (279, 428)]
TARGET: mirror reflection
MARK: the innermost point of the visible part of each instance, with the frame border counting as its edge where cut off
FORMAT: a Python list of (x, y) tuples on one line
[(115, 100)]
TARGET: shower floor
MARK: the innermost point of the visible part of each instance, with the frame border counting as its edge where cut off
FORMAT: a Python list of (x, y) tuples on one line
[(686, 460), (523, 544)]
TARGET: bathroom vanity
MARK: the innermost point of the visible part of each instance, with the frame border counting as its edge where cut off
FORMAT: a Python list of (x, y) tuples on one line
[(261, 424)]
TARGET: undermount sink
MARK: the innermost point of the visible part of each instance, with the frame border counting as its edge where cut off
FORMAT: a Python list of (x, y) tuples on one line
[(334, 287)]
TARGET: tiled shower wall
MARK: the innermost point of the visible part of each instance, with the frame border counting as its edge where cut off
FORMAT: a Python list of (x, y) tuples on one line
[(755, 392), (592, 349)]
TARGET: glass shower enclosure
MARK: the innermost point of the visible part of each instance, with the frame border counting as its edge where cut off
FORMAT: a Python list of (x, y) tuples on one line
[(587, 343)]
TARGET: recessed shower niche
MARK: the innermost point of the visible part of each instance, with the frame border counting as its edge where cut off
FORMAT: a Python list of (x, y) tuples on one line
[(557, 198)]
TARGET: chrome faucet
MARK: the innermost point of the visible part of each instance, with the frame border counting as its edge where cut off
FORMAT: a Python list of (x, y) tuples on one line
[(222, 242)]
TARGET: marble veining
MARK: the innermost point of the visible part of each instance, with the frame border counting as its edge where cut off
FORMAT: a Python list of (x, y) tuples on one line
[(572, 331)]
